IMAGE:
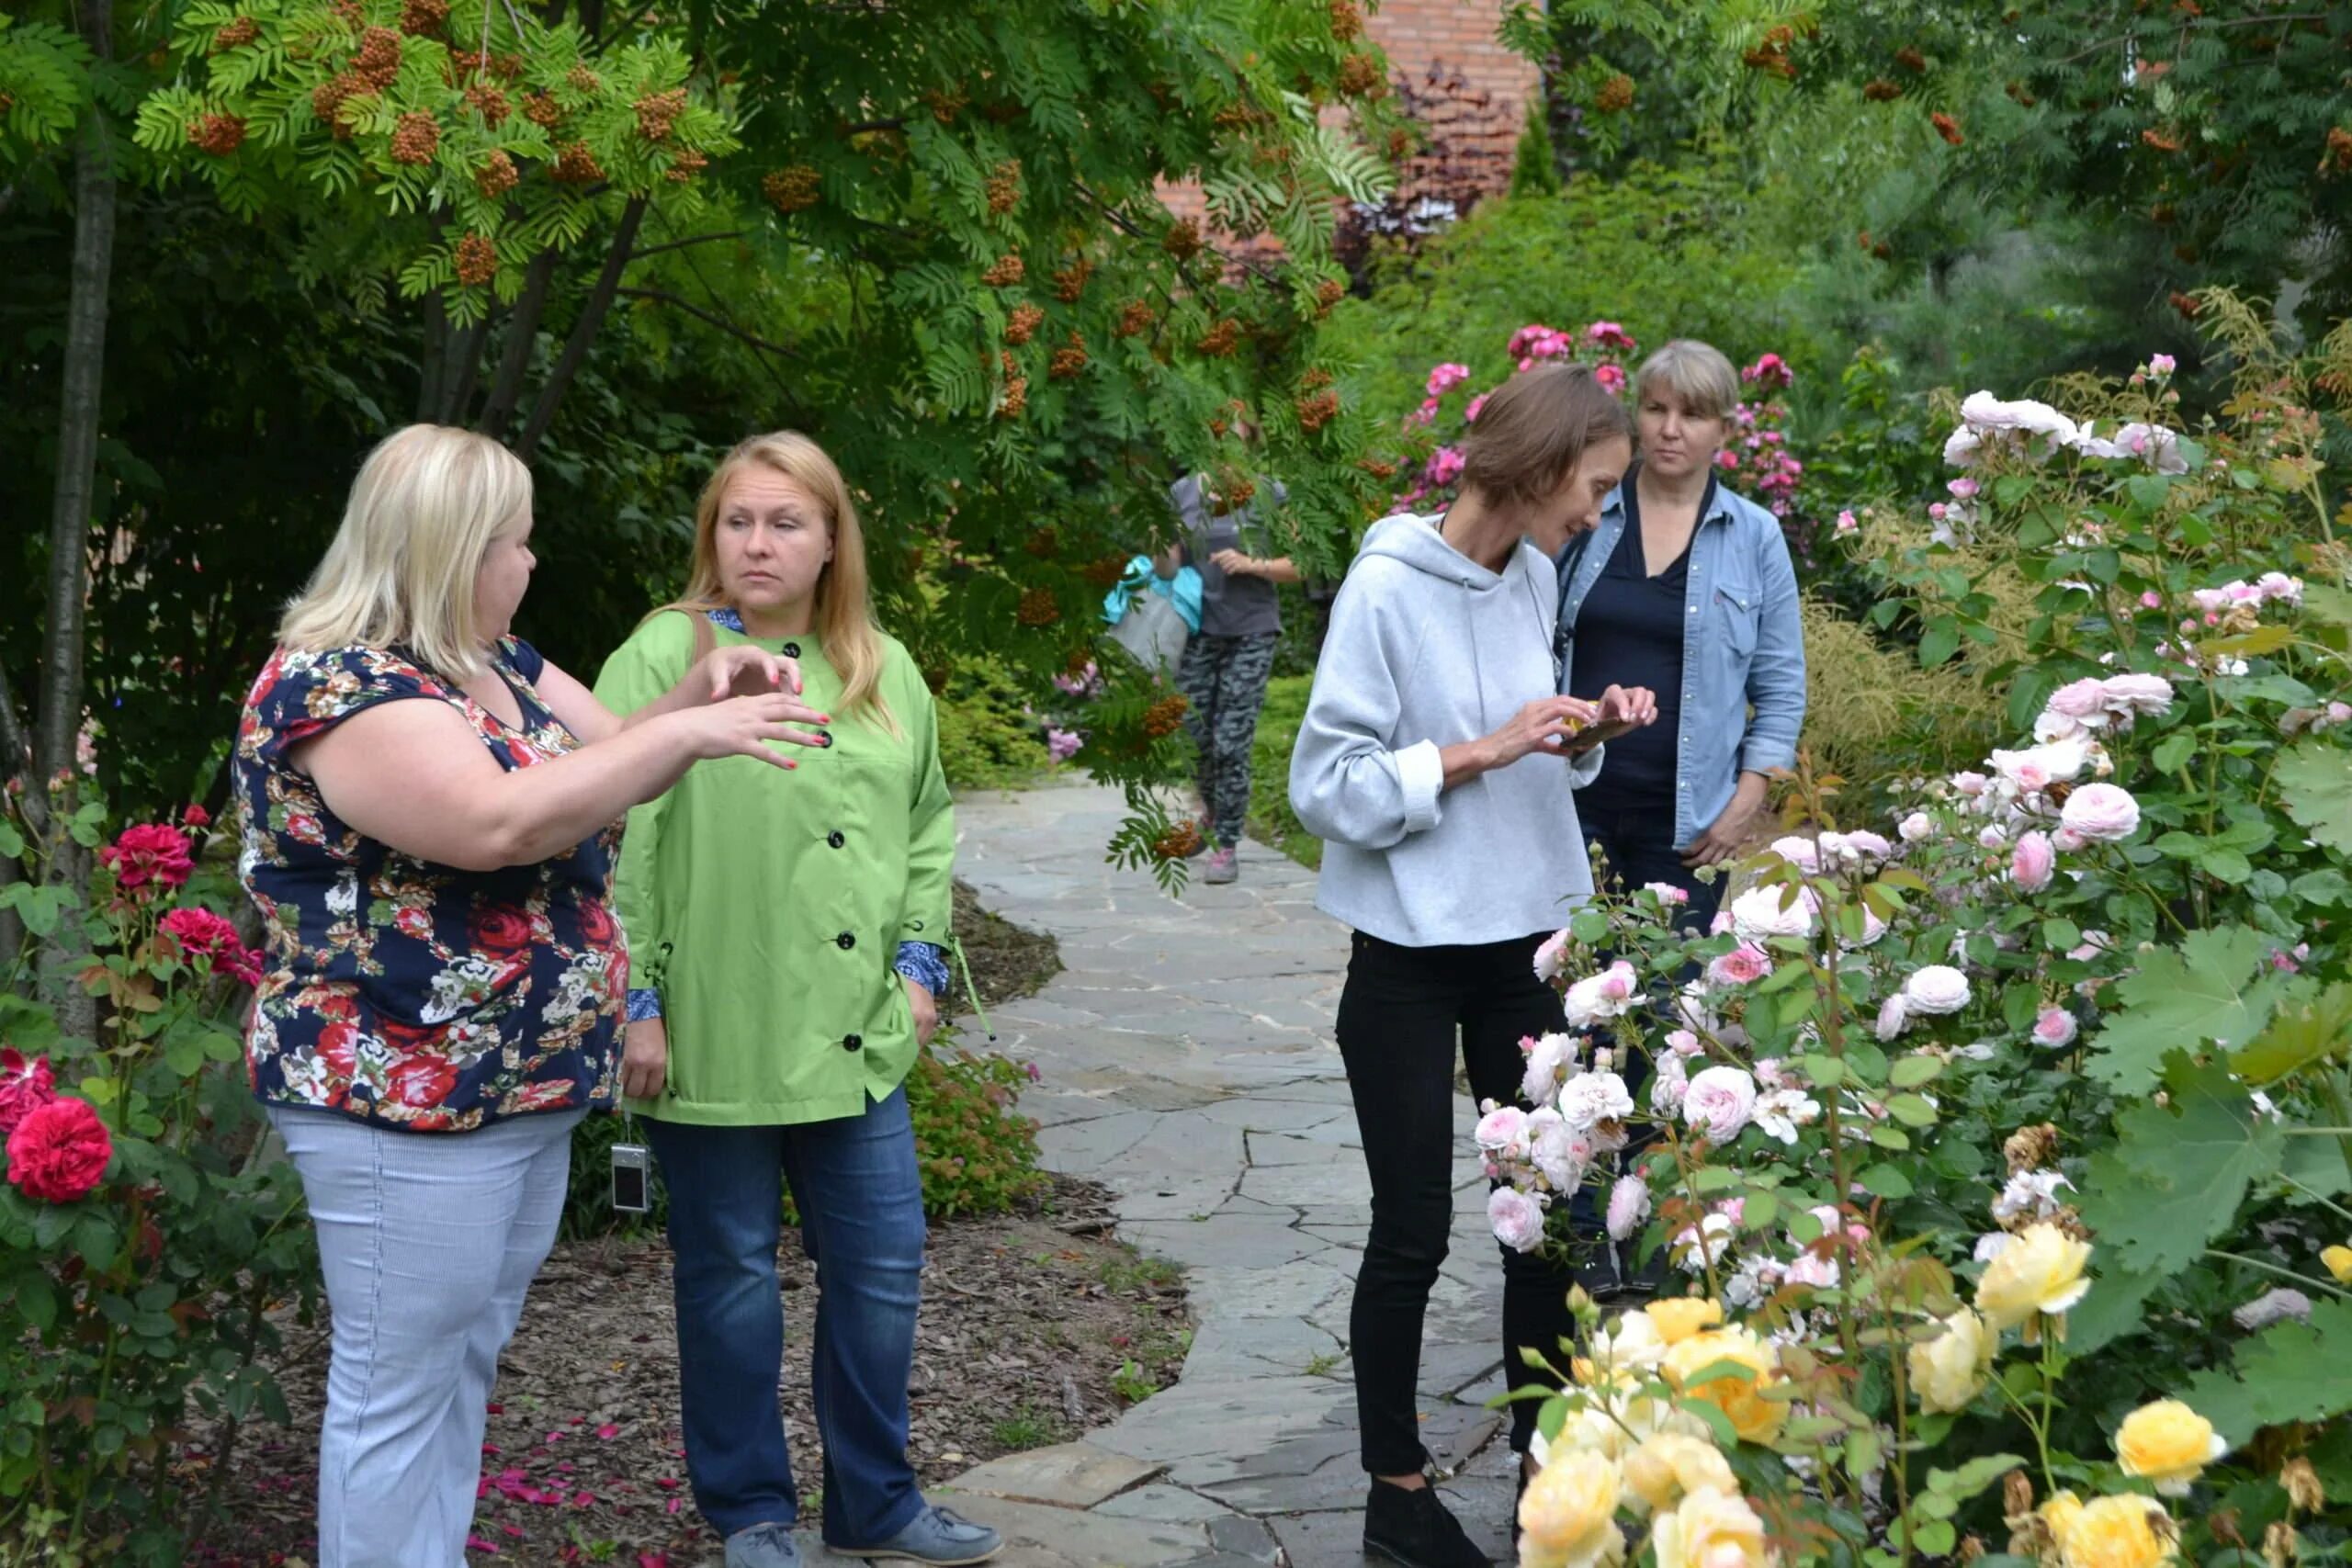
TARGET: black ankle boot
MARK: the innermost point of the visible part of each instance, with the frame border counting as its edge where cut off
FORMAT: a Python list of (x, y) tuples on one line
[(1412, 1528)]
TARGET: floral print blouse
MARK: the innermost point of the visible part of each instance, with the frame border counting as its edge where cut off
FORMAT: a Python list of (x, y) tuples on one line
[(401, 992)]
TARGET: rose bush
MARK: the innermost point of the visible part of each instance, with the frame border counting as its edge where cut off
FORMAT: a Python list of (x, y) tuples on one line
[(2012, 1143), (142, 1245), (1755, 459)]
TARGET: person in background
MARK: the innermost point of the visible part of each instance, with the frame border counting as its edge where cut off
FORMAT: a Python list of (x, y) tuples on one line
[(1436, 760), (429, 811), (793, 943), (1227, 663), (1686, 589)]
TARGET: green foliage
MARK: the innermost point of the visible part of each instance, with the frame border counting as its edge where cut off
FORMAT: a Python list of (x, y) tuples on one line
[(988, 740), (1668, 251), (2292, 1371), (1272, 820), (1535, 170), (2214, 988), (2179, 1172)]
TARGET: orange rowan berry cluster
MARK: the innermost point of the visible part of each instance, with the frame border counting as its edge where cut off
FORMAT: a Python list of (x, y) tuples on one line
[(1071, 282), (1038, 608), (416, 136), (1165, 716), (1068, 360), (1616, 95), (1136, 317), (657, 113), (497, 175), (235, 35), (477, 260), (1219, 341), (1004, 187), (575, 165), (421, 18), (791, 189), (1007, 270), (218, 134), (1026, 318)]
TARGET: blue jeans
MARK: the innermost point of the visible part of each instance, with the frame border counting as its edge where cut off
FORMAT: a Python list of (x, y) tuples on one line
[(859, 1194)]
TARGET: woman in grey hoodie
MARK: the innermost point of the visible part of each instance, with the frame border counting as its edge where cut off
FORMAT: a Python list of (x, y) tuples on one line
[(1437, 762)]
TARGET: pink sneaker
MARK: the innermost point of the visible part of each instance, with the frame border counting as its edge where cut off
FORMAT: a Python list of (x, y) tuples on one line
[(1222, 865)]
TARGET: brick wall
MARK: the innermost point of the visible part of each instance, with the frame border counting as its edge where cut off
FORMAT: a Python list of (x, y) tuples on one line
[(1469, 93)]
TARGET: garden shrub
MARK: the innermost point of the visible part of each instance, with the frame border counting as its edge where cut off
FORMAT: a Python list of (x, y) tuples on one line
[(2007, 1144), (1272, 820), (143, 1250), (987, 737)]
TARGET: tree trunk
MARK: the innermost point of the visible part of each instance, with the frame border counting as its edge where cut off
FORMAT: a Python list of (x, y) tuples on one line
[(583, 331), (515, 361), (73, 501)]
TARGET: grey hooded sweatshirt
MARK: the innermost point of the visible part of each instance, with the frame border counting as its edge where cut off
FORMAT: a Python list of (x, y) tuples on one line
[(1427, 648)]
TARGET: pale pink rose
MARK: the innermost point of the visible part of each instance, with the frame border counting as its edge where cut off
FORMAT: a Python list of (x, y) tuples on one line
[(2152, 600), (1596, 999), (1813, 1270), (1667, 892), (2102, 811), (1561, 1152), (1740, 965), (1591, 1099), (1860, 845), (1992, 836), (1517, 1218), (2055, 1027), (2083, 700), (1961, 488), (1971, 783), (1760, 912), (2032, 862), (2144, 695), (1801, 852), (1983, 412), (1720, 1101), (1894, 1017), (1846, 523), (1629, 1205), (2093, 944), (1682, 1042), (2278, 585), (1935, 988), (1720, 924), (1551, 956), (1547, 1056), (1915, 827), (2065, 840), (1669, 1081), (1503, 1127)]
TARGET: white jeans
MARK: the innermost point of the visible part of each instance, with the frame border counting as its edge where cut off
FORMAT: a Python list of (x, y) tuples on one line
[(428, 1242)]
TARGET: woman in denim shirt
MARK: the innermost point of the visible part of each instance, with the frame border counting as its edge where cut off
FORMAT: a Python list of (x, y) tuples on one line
[(1686, 588)]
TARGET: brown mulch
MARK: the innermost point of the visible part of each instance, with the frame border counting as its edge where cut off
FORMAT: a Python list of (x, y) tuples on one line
[(1035, 1327)]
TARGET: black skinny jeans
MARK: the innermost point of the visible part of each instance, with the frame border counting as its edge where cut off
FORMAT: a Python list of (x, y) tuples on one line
[(1399, 1016)]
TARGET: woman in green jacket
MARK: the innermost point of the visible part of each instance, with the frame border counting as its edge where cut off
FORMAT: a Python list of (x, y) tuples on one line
[(785, 929)]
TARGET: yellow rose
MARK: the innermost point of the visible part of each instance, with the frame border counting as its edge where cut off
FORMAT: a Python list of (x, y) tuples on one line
[(1947, 1371), (2127, 1531), (2168, 1443), (2038, 1273), (2060, 1514), (1676, 1318), (1631, 1344), (1670, 1465), (1712, 1529), (1611, 1418), (2339, 1262), (1753, 1416), (1569, 1518)]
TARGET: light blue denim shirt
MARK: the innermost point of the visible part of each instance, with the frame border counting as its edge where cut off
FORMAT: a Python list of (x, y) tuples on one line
[(1743, 651)]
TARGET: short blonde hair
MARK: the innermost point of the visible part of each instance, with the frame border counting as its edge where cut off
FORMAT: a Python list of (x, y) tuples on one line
[(844, 618), (1698, 375), (1535, 429), (428, 503)]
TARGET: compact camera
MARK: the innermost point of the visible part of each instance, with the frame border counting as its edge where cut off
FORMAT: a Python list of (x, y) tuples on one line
[(632, 1179)]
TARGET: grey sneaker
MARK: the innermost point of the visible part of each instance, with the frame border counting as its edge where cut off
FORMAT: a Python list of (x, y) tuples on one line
[(1222, 866), (763, 1546), (937, 1536)]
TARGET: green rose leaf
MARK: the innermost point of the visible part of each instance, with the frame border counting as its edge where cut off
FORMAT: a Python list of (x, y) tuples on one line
[(2173, 750)]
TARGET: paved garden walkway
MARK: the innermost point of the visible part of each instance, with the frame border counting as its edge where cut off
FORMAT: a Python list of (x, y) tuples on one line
[(1188, 1063)]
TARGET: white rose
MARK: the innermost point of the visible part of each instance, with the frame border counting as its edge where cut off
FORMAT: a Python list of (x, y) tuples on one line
[(1720, 1101), (1935, 988), (1594, 1098), (1801, 852), (1758, 912), (1517, 1218), (2102, 811), (1503, 1127), (1915, 827)]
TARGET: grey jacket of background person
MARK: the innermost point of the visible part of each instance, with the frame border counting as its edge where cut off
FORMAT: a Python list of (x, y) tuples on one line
[(1230, 606), (1427, 648), (1743, 651)]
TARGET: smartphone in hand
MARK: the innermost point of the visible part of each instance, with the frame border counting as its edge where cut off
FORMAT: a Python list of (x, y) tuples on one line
[(1584, 739)]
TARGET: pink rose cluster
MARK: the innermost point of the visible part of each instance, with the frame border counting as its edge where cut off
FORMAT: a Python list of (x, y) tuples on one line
[(2036, 431), (148, 858), (203, 935)]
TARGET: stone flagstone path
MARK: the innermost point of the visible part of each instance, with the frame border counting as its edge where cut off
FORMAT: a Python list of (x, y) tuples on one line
[(1188, 1063)]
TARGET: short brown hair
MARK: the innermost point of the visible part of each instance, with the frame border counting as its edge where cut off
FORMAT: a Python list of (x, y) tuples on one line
[(1532, 431)]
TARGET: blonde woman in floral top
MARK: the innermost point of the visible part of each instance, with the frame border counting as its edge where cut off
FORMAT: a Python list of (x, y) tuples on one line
[(430, 813)]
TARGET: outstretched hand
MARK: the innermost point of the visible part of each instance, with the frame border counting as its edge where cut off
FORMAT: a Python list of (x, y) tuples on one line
[(743, 671)]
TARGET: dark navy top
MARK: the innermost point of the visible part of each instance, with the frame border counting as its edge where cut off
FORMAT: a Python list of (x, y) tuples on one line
[(1630, 633)]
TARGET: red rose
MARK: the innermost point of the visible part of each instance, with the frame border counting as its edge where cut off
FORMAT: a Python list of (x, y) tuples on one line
[(422, 1081), (203, 935), (59, 1151), (150, 852), (25, 1087), (197, 816), (499, 929)]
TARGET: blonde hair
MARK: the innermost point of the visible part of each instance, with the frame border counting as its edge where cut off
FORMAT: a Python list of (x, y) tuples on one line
[(1698, 375), (1532, 432), (428, 503), (844, 618)]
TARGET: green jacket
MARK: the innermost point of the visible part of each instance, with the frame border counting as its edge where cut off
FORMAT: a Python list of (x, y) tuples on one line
[(766, 906)]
